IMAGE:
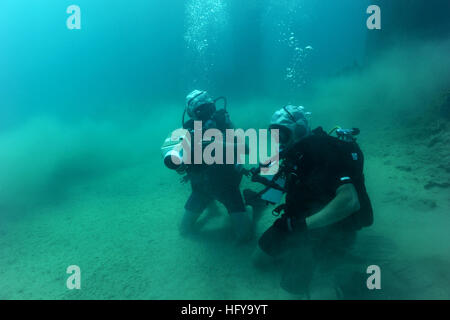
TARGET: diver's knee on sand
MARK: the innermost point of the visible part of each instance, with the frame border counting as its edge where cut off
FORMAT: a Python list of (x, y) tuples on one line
[(242, 223), (188, 222)]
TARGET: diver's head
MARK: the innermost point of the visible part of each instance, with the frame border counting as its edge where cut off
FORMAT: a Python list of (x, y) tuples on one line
[(199, 105), (292, 124)]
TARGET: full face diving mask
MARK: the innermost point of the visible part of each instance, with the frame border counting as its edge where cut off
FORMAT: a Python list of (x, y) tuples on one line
[(284, 134), (205, 111), (292, 123)]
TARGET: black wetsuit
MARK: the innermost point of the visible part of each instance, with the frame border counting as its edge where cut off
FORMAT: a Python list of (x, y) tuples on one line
[(217, 181), (316, 167)]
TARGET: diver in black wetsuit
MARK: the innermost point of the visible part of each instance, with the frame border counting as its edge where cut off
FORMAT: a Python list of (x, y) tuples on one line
[(326, 199), (217, 181)]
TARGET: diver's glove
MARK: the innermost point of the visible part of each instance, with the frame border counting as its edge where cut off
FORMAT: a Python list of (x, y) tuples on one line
[(255, 172), (250, 172)]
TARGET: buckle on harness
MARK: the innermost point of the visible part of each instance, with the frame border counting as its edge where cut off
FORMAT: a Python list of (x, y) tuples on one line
[(278, 210)]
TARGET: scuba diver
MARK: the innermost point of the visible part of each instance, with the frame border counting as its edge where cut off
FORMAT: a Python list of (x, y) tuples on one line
[(326, 201), (212, 181)]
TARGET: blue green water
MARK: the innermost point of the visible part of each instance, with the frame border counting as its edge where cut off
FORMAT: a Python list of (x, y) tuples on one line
[(84, 112)]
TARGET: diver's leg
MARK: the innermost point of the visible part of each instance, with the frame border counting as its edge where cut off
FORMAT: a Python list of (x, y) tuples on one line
[(241, 215), (194, 207), (242, 224), (339, 274), (188, 221), (271, 248), (298, 272)]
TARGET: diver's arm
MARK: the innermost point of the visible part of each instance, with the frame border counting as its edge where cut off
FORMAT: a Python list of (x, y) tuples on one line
[(344, 204)]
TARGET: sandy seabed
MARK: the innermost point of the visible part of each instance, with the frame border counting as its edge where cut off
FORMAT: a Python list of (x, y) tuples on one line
[(121, 230)]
